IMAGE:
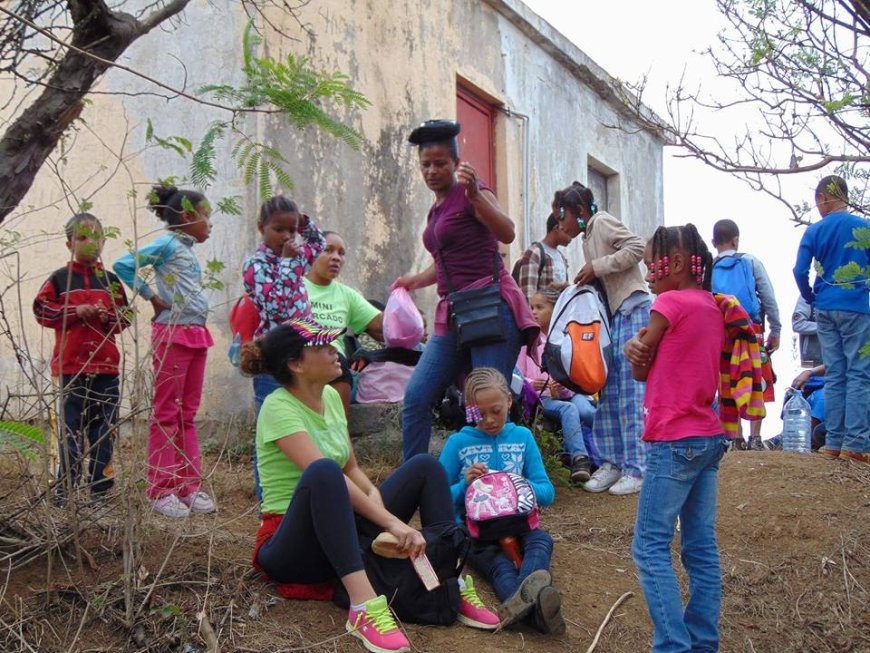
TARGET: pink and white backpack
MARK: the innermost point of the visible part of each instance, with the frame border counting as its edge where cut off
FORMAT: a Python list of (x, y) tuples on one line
[(500, 504)]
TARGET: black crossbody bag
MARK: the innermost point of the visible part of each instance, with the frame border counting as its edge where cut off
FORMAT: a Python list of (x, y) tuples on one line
[(475, 314)]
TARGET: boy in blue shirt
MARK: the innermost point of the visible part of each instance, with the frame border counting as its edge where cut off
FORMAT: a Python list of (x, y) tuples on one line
[(843, 317)]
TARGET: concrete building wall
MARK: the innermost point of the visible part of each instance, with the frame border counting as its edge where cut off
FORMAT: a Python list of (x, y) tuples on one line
[(407, 58)]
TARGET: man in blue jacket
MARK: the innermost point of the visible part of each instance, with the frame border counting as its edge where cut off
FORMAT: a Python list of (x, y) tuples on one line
[(843, 317)]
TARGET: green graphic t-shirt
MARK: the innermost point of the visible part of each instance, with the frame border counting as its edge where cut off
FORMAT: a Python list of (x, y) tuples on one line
[(337, 305), (283, 414)]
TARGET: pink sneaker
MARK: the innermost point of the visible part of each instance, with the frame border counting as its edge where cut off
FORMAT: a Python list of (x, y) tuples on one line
[(376, 627), (471, 610)]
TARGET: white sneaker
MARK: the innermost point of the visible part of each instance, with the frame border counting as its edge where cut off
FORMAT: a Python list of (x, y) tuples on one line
[(626, 485), (603, 478), (170, 506), (199, 502)]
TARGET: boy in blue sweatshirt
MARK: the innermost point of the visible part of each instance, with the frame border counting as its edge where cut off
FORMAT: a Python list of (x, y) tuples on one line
[(493, 445), (842, 315)]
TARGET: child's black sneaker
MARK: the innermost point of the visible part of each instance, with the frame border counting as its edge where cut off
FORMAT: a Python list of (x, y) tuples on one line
[(523, 600), (548, 612), (581, 469)]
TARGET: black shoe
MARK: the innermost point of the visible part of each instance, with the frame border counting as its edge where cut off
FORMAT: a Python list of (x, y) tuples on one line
[(581, 469), (524, 599), (548, 612)]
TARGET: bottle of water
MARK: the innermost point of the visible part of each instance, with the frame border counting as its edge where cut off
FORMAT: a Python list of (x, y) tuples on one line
[(796, 433)]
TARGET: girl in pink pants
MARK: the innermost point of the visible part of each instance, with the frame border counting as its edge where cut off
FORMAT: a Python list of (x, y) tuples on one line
[(180, 342)]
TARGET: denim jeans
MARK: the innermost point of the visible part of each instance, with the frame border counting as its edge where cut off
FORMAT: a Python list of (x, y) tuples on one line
[(572, 415), (847, 374), (440, 365), (264, 385), (681, 480), (489, 560), (90, 415)]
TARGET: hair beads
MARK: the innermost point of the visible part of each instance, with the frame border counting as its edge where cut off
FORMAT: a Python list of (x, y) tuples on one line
[(686, 238), (697, 268), (663, 267), (472, 414)]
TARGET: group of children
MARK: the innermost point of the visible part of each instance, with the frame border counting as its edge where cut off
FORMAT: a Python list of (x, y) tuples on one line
[(87, 307)]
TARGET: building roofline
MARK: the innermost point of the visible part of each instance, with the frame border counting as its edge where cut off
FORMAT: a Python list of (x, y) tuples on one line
[(577, 62)]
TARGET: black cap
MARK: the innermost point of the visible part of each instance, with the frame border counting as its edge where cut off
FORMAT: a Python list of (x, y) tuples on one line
[(434, 131)]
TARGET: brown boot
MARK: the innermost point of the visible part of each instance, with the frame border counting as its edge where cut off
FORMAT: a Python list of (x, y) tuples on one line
[(855, 456)]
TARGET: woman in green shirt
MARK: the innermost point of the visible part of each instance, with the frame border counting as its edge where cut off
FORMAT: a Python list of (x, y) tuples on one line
[(334, 304), (313, 486)]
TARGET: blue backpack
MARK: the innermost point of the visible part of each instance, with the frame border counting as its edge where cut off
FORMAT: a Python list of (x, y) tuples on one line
[(732, 275)]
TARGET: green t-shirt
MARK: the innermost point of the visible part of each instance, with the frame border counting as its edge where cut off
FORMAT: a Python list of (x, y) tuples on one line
[(337, 305), (283, 414)]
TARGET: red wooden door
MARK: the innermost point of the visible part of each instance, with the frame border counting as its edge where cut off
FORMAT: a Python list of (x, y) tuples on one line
[(477, 138)]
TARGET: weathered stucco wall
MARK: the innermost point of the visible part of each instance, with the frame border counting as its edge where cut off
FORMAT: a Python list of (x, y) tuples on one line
[(406, 57)]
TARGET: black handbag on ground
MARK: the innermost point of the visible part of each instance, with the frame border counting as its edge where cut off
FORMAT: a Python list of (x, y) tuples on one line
[(476, 313), (447, 546)]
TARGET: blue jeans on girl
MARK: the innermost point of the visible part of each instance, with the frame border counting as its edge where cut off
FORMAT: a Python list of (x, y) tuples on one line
[(497, 568), (439, 366), (573, 415), (681, 480)]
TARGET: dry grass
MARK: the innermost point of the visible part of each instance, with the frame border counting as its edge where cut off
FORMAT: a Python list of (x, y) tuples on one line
[(793, 531)]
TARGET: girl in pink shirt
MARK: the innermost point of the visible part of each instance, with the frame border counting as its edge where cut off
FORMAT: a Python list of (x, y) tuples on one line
[(678, 355)]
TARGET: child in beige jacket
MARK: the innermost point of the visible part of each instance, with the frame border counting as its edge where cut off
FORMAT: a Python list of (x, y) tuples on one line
[(612, 254)]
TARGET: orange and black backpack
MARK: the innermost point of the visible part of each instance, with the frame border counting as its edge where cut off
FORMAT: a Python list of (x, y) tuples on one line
[(579, 350)]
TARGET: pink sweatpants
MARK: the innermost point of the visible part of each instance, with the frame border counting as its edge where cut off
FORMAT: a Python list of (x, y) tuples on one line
[(174, 461)]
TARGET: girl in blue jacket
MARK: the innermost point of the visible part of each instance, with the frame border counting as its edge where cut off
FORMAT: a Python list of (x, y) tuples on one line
[(493, 445)]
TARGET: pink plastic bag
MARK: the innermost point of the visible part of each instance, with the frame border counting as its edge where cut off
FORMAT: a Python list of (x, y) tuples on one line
[(403, 324)]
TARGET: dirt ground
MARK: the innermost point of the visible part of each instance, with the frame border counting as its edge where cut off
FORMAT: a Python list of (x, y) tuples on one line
[(794, 533)]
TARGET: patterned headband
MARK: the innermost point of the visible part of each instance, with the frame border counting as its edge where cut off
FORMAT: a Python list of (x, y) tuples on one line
[(315, 334)]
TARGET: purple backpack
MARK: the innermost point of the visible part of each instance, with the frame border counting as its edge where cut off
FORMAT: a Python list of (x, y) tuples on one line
[(500, 504)]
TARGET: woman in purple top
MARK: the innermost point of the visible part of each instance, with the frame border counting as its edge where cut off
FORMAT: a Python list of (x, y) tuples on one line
[(463, 229)]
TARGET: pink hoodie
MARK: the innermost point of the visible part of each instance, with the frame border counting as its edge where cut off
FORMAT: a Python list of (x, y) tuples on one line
[(532, 370)]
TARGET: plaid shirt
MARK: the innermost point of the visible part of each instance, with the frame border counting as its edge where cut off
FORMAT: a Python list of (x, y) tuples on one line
[(534, 274)]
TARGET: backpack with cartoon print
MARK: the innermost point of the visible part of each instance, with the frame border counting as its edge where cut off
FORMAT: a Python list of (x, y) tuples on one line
[(500, 504)]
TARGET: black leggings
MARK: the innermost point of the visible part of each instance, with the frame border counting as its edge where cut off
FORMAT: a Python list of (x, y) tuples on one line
[(318, 541)]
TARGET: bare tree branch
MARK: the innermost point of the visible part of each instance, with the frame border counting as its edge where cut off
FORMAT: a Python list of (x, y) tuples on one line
[(802, 69)]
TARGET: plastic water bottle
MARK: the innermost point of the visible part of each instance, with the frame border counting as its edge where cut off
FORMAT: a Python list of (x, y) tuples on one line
[(796, 435)]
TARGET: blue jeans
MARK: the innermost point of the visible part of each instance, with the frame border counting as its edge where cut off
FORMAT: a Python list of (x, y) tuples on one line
[(264, 385), (847, 374), (489, 560), (90, 416), (440, 365), (572, 415), (681, 480)]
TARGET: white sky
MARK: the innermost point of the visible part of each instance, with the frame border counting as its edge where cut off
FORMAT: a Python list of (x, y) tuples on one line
[(630, 38)]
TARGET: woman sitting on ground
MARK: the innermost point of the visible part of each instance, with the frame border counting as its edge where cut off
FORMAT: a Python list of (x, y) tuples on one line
[(316, 499)]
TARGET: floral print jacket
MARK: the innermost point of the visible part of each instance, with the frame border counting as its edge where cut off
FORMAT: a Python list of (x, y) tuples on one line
[(275, 284)]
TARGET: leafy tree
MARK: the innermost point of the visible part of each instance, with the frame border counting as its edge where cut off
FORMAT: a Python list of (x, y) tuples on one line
[(62, 48)]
